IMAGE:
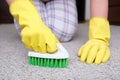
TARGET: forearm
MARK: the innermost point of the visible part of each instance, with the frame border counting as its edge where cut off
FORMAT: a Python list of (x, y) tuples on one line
[(99, 8), (9, 1)]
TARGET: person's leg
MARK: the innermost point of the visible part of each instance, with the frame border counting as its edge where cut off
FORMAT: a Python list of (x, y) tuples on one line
[(62, 18), (40, 6)]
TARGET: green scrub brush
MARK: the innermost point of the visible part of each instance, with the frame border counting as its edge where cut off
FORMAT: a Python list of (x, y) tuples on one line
[(58, 59)]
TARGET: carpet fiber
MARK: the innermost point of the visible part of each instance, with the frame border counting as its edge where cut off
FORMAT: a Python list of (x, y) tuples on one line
[(14, 60)]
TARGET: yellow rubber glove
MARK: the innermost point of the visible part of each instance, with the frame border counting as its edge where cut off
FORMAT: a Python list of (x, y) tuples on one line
[(96, 48), (35, 34)]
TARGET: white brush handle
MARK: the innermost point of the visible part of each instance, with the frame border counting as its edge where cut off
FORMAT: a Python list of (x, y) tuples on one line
[(61, 53)]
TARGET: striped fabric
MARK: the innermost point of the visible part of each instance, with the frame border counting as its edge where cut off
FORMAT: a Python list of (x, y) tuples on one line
[(59, 15), (46, 0)]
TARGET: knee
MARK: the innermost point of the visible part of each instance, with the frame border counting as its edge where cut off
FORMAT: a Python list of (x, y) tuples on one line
[(65, 34)]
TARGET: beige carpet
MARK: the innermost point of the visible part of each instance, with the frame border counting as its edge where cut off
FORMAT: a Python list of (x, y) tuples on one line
[(14, 60)]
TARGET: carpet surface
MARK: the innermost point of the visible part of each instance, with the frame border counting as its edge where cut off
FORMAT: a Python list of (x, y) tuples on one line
[(14, 60)]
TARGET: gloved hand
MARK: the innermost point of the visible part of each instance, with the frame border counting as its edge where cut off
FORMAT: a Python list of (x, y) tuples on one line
[(96, 48), (35, 34)]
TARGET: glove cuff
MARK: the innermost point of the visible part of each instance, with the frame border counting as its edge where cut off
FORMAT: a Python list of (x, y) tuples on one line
[(99, 29), (25, 13)]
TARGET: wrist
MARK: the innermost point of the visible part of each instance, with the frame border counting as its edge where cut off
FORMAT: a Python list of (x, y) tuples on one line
[(99, 29)]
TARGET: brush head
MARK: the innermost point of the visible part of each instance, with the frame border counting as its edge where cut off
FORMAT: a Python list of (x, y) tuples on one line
[(59, 59)]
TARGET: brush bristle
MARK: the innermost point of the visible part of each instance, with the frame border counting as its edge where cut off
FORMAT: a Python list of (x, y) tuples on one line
[(45, 62)]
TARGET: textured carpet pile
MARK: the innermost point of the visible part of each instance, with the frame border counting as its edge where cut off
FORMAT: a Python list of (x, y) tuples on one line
[(14, 60)]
